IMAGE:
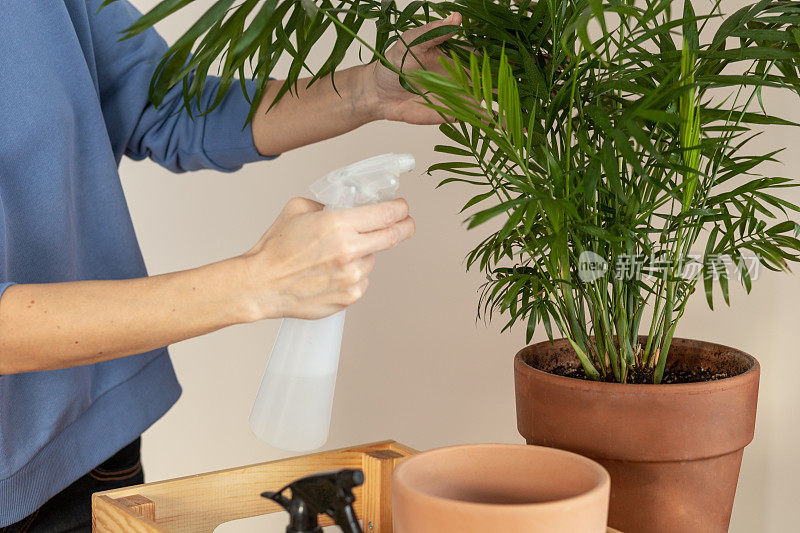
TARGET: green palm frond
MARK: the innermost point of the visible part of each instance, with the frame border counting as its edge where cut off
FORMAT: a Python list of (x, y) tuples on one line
[(605, 129)]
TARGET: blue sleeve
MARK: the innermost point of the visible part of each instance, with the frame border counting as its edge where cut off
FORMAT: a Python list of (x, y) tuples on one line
[(167, 135), (3, 287)]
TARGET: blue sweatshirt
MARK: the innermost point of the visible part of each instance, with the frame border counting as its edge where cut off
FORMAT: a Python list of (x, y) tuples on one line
[(73, 101)]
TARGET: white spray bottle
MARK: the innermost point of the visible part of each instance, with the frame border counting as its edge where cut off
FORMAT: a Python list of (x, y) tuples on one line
[(293, 408)]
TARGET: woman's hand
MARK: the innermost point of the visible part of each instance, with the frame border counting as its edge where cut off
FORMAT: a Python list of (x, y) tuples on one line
[(312, 263), (393, 101), (362, 94)]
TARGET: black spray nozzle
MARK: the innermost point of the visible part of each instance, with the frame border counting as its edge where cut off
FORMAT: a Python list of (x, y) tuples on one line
[(329, 493)]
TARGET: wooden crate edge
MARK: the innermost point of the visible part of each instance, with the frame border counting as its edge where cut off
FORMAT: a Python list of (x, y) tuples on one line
[(110, 516)]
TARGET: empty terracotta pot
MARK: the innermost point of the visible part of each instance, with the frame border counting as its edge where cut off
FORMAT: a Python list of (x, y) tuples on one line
[(673, 451), (483, 488)]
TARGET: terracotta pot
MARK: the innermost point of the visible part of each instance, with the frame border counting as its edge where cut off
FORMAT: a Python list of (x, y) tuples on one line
[(512, 488), (673, 451)]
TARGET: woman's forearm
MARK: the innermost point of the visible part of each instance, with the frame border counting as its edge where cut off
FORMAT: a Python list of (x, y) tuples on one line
[(59, 325), (313, 114), (361, 94), (309, 264)]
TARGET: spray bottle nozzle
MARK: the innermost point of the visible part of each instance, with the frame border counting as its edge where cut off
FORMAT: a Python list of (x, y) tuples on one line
[(329, 493), (369, 181)]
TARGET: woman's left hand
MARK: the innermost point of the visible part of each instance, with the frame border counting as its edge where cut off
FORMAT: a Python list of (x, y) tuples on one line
[(394, 102)]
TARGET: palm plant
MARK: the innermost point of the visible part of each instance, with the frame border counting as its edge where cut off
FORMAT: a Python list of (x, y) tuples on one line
[(609, 139)]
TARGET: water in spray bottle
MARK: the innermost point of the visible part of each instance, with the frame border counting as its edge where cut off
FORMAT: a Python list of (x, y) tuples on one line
[(292, 410)]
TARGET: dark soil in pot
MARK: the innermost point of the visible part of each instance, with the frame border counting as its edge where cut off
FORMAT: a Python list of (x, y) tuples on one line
[(673, 450), (644, 375)]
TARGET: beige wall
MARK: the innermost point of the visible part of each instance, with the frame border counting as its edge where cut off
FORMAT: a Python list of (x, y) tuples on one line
[(415, 366)]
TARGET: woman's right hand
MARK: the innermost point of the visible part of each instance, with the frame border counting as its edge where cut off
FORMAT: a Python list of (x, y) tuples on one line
[(312, 263)]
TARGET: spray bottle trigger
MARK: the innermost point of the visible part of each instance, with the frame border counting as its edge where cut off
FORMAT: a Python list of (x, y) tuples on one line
[(329, 493)]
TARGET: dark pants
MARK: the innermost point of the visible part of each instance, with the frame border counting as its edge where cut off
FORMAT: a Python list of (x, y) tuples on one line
[(71, 509)]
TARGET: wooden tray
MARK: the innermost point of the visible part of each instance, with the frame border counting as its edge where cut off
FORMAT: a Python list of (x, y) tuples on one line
[(200, 503)]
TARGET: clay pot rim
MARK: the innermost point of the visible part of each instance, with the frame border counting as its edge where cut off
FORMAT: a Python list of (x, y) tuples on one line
[(594, 492), (700, 387)]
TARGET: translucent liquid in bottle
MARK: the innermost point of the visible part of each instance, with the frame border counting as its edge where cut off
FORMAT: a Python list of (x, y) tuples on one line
[(293, 408)]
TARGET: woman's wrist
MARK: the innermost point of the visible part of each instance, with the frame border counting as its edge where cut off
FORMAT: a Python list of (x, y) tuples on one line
[(249, 293), (365, 98)]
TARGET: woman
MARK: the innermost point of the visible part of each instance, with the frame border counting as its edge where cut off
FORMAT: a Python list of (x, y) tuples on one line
[(83, 371)]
